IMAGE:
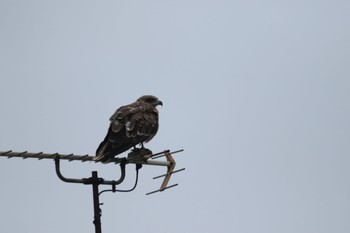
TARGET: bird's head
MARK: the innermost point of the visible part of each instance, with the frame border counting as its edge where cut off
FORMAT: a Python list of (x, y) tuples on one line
[(151, 100)]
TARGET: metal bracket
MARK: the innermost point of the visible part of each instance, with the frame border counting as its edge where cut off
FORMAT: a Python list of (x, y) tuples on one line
[(90, 180), (95, 181)]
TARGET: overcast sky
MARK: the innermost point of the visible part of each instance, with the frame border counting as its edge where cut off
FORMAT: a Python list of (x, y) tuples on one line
[(255, 92)]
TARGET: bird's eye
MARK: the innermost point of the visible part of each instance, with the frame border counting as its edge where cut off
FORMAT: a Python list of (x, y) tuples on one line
[(150, 100)]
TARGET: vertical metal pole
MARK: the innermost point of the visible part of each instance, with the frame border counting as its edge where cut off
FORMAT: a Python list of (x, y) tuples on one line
[(97, 210)]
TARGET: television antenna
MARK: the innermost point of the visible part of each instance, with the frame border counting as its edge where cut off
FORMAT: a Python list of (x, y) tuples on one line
[(138, 157)]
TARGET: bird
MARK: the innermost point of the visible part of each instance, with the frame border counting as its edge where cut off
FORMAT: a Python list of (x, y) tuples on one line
[(130, 125)]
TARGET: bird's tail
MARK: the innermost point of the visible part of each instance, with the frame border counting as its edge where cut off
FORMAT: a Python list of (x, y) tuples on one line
[(103, 152)]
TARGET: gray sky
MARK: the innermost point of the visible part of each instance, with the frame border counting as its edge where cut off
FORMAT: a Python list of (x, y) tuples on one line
[(256, 92)]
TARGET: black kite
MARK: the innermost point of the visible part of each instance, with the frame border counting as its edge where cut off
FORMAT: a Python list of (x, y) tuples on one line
[(130, 125)]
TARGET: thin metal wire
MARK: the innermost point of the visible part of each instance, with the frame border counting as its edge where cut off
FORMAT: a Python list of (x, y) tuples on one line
[(182, 169), (168, 187), (128, 190), (136, 181), (163, 154)]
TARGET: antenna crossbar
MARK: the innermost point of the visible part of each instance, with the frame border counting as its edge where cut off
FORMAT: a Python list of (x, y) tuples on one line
[(25, 155), (86, 158)]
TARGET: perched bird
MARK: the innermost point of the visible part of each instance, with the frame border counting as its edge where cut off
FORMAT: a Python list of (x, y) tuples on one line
[(130, 125)]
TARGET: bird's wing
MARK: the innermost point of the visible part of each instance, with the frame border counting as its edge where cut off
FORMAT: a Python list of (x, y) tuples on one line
[(122, 115), (130, 125), (143, 124)]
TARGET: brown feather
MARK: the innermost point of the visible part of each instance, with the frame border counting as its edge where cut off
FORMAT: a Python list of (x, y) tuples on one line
[(130, 125)]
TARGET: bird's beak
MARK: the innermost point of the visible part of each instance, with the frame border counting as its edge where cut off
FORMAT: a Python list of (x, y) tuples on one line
[(159, 103)]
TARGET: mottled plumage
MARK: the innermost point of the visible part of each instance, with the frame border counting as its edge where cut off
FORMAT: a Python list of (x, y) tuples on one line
[(130, 125)]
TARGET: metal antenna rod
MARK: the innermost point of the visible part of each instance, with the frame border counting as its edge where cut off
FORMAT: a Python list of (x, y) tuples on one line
[(97, 210)]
